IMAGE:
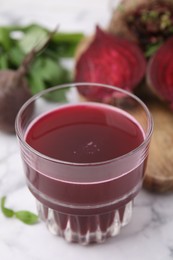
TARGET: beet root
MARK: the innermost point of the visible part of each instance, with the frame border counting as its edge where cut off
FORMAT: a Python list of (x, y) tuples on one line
[(160, 72), (109, 60), (147, 22), (14, 92)]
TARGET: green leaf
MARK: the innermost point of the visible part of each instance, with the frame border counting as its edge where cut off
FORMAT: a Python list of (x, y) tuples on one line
[(53, 72), (16, 56), (34, 36), (151, 49), (50, 70), (36, 82), (45, 73), (35, 76), (9, 213), (61, 37), (27, 217), (59, 96), (64, 44), (4, 38), (65, 50), (46, 70), (3, 61)]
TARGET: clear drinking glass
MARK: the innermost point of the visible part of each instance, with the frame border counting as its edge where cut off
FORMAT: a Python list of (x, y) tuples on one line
[(86, 202)]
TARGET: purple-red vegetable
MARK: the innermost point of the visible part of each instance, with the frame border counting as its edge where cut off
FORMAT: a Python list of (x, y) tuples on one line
[(148, 22), (160, 72), (14, 90), (110, 60)]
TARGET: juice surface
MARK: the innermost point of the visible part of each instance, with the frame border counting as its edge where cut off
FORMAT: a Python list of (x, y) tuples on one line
[(84, 133)]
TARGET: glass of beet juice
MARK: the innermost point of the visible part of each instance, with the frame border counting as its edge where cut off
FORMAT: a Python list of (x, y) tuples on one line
[(84, 157)]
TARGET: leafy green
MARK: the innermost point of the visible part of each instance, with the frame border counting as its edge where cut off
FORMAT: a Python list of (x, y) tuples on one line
[(50, 71), (59, 96), (46, 70), (36, 83), (34, 37), (67, 37), (16, 56), (9, 213), (3, 61), (65, 43), (5, 40), (25, 216), (152, 48)]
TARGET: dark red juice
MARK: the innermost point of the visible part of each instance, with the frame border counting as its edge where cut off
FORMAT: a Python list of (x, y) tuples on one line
[(83, 182), (84, 134)]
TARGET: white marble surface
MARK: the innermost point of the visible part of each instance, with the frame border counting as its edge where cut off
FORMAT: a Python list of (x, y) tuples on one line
[(149, 236)]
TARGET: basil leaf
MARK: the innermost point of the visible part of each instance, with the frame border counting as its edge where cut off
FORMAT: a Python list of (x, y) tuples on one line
[(9, 213), (27, 217)]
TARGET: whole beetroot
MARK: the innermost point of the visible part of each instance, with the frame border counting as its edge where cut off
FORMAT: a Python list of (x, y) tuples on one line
[(109, 60), (14, 89), (14, 92)]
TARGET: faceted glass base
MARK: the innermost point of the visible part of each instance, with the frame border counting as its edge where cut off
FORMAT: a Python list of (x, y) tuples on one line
[(85, 229)]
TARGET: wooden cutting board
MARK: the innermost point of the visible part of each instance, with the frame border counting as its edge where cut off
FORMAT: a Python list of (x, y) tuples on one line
[(159, 172)]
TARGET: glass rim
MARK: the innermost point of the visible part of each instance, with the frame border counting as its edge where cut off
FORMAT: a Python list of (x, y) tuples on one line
[(43, 92)]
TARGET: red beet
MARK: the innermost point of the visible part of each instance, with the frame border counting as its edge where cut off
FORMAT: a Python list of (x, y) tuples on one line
[(110, 60), (160, 72), (14, 90)]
